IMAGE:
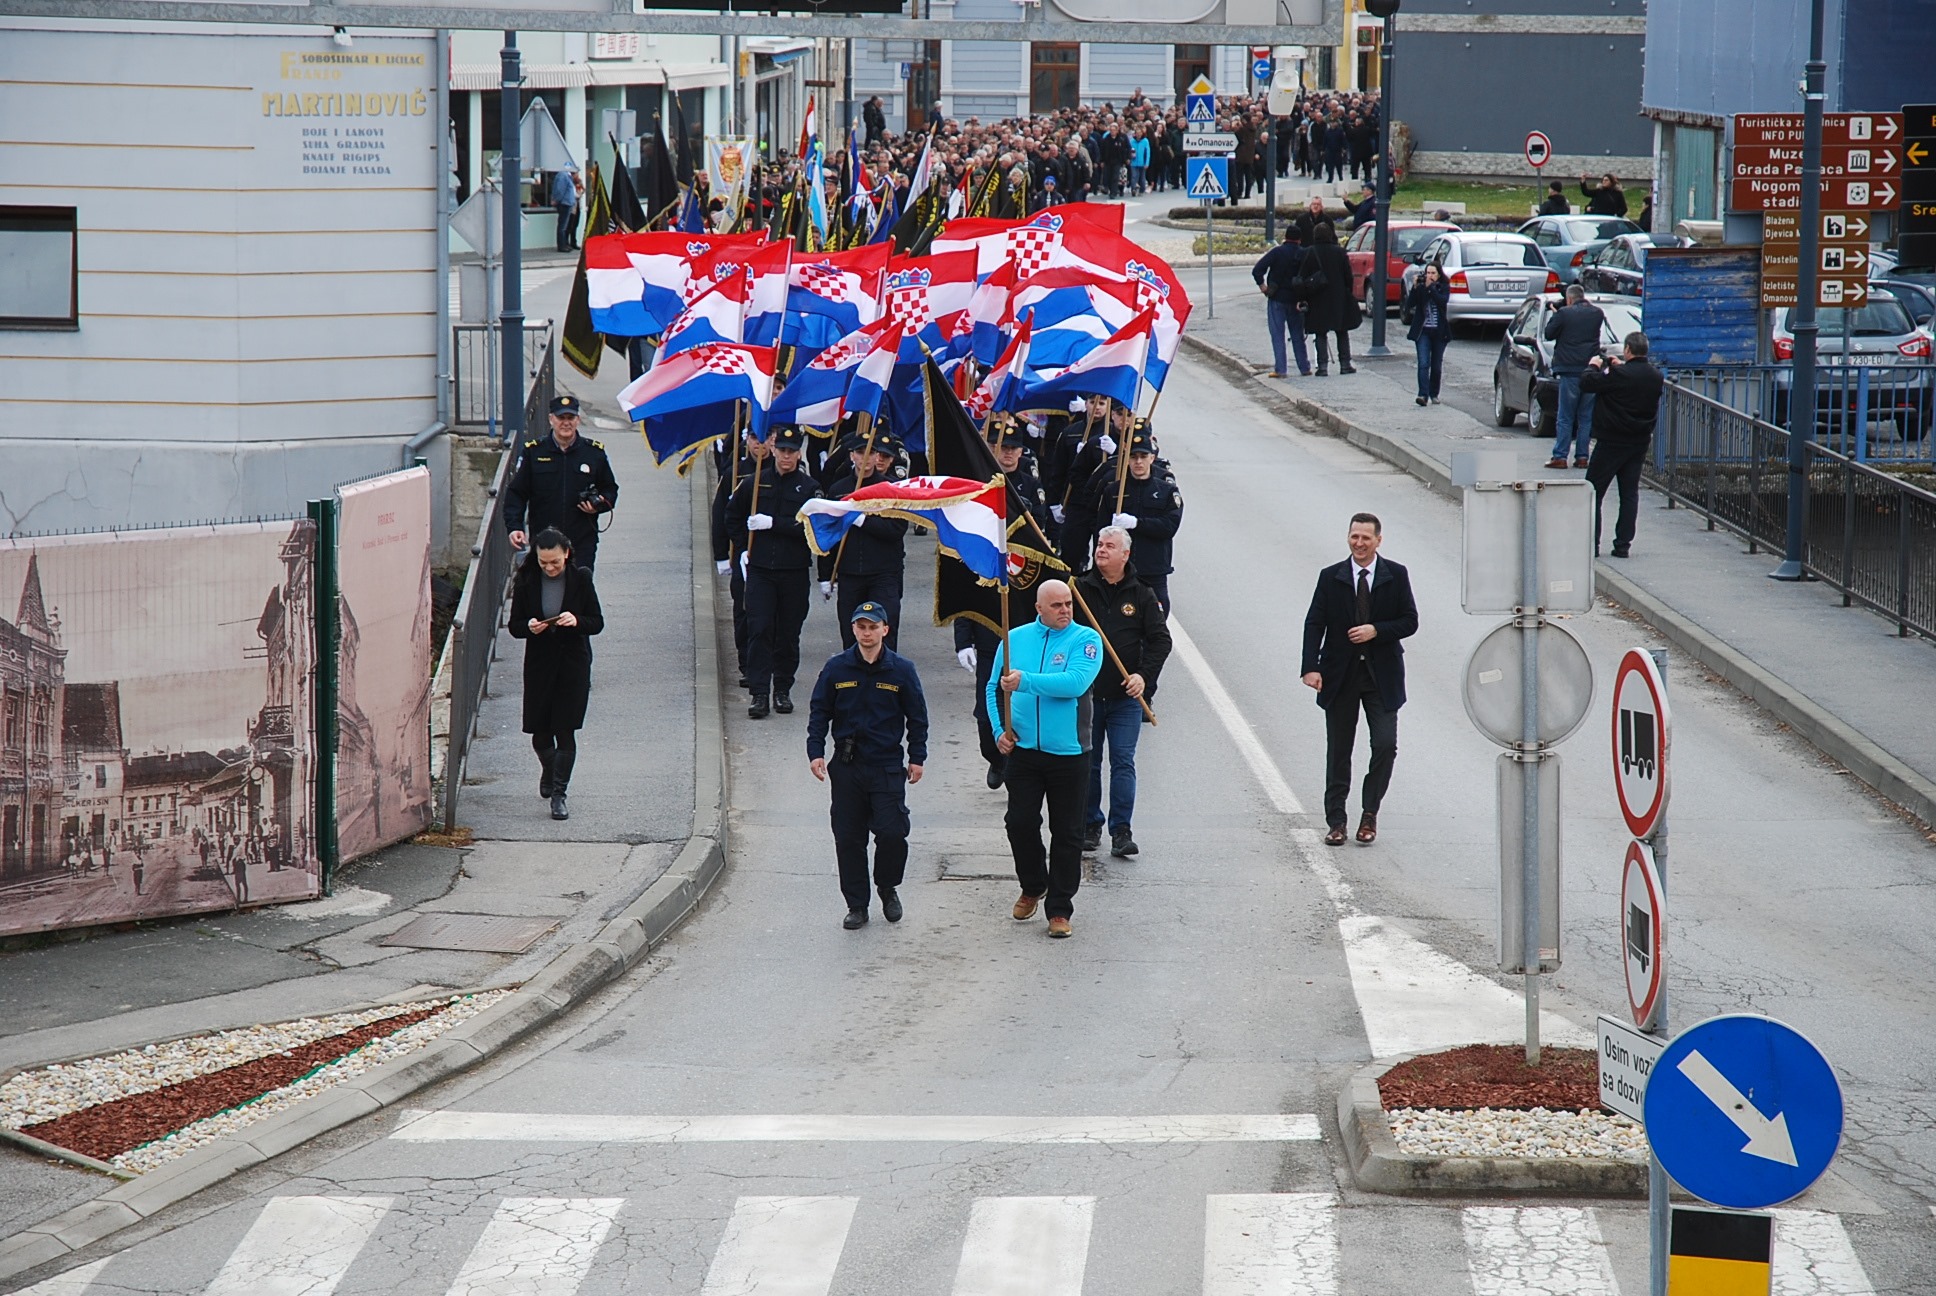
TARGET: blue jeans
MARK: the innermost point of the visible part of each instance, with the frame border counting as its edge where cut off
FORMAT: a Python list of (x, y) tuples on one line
[(1573, 423), (1431, 362), (1119, 721), (1136, 175), (1282, 316)]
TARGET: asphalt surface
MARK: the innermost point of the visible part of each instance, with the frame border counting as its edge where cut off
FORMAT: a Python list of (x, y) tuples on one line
[(1235, 969)]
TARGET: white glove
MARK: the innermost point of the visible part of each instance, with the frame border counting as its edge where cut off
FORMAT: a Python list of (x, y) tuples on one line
[(1107, 442), (1078, 406), (1055, 511), (760, 522), (724, 567), (967, 658), (826, 589), (744, 555), (859, 518), (1127, 521)]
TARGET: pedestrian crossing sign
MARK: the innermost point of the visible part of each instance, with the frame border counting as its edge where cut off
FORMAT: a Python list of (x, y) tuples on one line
[(1200, 110), (1208, 177)]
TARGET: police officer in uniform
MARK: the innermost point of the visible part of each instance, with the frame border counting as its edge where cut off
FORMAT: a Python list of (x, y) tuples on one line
[(727, 546), (1093, 462), (867, 565), (866, 696), (1151, 510), (564, 481), (764, 515)]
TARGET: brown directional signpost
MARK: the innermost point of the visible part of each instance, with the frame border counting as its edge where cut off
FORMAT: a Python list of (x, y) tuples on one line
[(1863, 161)]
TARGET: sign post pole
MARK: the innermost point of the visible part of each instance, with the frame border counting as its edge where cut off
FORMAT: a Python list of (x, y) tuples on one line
[(1209, 263), (1381, 196), (511, 372), (1658, 1211), (1531, 749), (1801, 405)]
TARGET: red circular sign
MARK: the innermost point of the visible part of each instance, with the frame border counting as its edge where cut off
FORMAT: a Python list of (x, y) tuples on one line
[(1640, 732), (1539, 149), (1643, 926)]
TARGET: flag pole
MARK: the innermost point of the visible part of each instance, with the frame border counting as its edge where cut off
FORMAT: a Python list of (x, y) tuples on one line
[(1088, 428), (1083, 603), (1122, 458), (755, 507), (1008, 660)]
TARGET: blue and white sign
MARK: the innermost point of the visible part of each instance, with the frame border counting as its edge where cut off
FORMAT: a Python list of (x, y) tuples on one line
[(1207, 178), (1743, 1111), (1260, 71), (1200, 111)]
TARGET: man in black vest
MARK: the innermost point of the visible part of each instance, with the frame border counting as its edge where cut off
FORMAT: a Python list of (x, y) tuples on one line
[(1362, 607)]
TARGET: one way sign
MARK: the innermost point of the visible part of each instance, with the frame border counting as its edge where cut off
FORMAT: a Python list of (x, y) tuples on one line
[(1208, 177)]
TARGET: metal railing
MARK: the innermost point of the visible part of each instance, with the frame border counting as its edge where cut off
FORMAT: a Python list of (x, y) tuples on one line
[(474, 371), (473, 632), (1868, 534), (1871, 413)]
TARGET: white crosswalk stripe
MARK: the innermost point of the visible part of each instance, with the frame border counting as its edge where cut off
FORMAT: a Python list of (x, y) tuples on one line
[(72, 1283), (564, 1127), (537, 1246), (1270, 1244), (1026, 1246), (781, 1246), (1537, 1251), (299, 1246), (1814, 1257)]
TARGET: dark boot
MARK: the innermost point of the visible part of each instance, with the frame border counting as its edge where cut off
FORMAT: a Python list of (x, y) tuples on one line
[(783, 700), (544, 778), (761, 705)]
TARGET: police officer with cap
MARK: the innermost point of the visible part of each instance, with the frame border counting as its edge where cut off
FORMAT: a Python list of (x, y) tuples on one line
[(866, 697), (562, 480), (765, 516), (753, 452), (1151, 510), (868, 562)]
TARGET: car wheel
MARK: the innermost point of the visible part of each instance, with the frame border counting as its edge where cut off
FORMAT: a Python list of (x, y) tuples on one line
[(1502, 414), (1538, 421)]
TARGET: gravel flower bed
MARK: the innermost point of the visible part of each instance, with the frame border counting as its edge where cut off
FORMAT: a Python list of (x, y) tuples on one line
[(1534, 1134)]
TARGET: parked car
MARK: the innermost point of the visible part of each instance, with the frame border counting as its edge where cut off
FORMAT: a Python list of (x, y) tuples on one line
[(1567, 241), (1408, 238), (1918, 300), (1620, 265), (1522, 376), (1884, 264), (1878, 337), (1490, 274)]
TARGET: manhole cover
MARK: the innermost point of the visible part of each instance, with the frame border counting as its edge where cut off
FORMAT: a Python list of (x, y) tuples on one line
[(477, 933), (977, 868)]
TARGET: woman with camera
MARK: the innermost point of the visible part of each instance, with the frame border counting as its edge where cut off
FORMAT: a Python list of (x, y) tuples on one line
[(554, 609), (1428, 312)]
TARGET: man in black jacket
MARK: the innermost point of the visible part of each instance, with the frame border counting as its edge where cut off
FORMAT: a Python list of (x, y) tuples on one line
[(1125, 612), (1145, 501), (1626, 403), (1555, 204), (1574, 330), (764, 516), (1276, 273), (867, 564), (1361, 609)]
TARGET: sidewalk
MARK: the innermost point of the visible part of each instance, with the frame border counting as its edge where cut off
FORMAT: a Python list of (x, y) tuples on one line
[(633, 807), (1839, 677)]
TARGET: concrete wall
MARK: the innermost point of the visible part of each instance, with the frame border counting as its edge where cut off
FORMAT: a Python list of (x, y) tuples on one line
[(257, 288)]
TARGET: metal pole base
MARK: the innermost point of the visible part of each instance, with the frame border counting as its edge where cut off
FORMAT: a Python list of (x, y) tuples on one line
[(1379, 351), (1790, 570)]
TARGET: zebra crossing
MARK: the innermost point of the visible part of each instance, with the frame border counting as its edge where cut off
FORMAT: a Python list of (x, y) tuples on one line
[(1253, 1244)]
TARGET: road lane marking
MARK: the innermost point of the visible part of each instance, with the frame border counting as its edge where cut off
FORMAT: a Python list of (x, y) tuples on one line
[(299, 1246), (1814, 1257), (781, 1246), (72, 1283), (537, 1246), (1270, 1244), (560, 1127), (1025, 1246), (1537, 1251)]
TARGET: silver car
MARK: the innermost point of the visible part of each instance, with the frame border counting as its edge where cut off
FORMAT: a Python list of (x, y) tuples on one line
[(1873, 364), (1490, 274), (1567, 241)]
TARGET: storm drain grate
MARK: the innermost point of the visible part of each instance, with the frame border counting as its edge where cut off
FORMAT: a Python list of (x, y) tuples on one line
[(477, 933)]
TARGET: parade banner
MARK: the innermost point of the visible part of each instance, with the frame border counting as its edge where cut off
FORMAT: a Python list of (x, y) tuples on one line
[(383, 662), (729, 168), (157, 749)]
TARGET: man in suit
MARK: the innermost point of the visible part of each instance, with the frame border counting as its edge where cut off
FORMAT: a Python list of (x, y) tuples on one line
[(1362, 607)]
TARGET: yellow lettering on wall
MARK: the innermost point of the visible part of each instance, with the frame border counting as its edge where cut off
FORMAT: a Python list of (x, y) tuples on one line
[(353, 105), (419, 104), (291, 105), (309, 105), (270, 102)]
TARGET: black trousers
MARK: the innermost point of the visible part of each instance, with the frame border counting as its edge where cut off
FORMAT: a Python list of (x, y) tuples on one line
[(776, 608), (986, 642), (852, 591), (868, 800), (1617, 463), (1063, 781), (1159, 586), (736, 583), (1323, 339), (1341, 734), (557, 753)]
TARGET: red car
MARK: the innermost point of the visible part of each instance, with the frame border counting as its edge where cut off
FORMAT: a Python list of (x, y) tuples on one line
[(1408, 238)]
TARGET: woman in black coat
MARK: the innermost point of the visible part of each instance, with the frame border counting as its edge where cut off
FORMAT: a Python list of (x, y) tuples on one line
[(1324, 284), (554, 609), (1427, 306)]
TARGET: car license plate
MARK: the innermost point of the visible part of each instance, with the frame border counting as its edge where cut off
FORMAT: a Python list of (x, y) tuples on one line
[(1870, 359), (1508, 285)]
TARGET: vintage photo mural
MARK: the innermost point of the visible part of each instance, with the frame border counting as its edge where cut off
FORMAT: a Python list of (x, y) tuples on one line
[(156, 738), (383, 743)]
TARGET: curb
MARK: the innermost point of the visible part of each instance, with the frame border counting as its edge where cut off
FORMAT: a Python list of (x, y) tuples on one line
[(567, 980), (1888, 775), (1377, 1164)]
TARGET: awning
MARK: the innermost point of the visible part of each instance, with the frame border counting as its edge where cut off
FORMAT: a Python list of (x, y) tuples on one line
[(696, 76), (628, 74), (537, 76)]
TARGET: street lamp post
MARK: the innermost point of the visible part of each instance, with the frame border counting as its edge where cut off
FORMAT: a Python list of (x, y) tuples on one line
[(1802, 322), (1381, 198), (511, 318)]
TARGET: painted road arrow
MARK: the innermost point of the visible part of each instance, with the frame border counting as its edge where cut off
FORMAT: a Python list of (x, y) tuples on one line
[(1767, 1139)]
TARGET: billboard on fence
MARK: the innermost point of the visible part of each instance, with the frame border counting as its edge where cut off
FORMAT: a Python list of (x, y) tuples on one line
[(383, 673), (157, 746)]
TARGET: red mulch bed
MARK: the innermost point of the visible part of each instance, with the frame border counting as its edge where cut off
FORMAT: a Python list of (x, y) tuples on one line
[(111, 1128), (1495, 1076)]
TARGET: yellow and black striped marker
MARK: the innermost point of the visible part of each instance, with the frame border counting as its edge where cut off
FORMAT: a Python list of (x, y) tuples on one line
[(1720, 1253)]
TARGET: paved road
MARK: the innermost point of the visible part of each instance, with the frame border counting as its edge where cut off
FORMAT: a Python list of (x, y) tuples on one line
[(1132, 1112)]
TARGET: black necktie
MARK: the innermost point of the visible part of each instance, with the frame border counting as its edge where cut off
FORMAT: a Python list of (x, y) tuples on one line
[(1364, 596)]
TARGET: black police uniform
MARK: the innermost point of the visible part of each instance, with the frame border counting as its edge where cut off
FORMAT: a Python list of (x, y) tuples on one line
[(1157, 505), (1025, 490), (727, 546), (871, 562), (779, 567), (866, 705), (1090, 463), (547, 485)]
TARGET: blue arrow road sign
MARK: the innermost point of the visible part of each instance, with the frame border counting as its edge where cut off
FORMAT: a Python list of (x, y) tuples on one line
[(1260, 70), (1200, 110), (1743, 1111), (1207, 178)]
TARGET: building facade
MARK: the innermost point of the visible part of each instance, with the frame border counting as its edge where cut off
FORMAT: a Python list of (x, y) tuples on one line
[(32, 675)]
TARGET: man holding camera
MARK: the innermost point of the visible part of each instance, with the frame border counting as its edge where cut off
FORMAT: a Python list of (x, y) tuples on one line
[(563, 481), (867, 697), (1626, 392)]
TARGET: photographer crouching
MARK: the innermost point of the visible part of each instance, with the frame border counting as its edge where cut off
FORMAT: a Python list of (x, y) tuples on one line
[(554, 609)]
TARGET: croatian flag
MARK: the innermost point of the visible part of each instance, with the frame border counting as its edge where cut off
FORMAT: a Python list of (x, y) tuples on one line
[(816, 395), (969, 517), (831, 294), (638, 283), (925, 294), (1028, 242), (688, 399), (874, 374), (716, 315), (989, 312), (1002, 384), (1114, 259), (768, 273), (1114, 369)]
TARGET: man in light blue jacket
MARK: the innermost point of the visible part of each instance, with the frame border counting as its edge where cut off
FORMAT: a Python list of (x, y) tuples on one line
[(1046, 737)]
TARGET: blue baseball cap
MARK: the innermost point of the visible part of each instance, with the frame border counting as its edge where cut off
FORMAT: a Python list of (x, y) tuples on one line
[(869, 611)]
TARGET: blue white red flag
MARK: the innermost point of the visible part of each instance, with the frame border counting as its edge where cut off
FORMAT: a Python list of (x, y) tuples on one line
[(638, 283), (688, 399), (925, 294), (831, 294), (816, 395), (989, 312), (969, 517), (768, 273), (1002, 385), (1026, 242), (1114, 369), (716, 315), (874, 374)]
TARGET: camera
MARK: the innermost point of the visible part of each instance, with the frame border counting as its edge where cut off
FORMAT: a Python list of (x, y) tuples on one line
[(589, 495)]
